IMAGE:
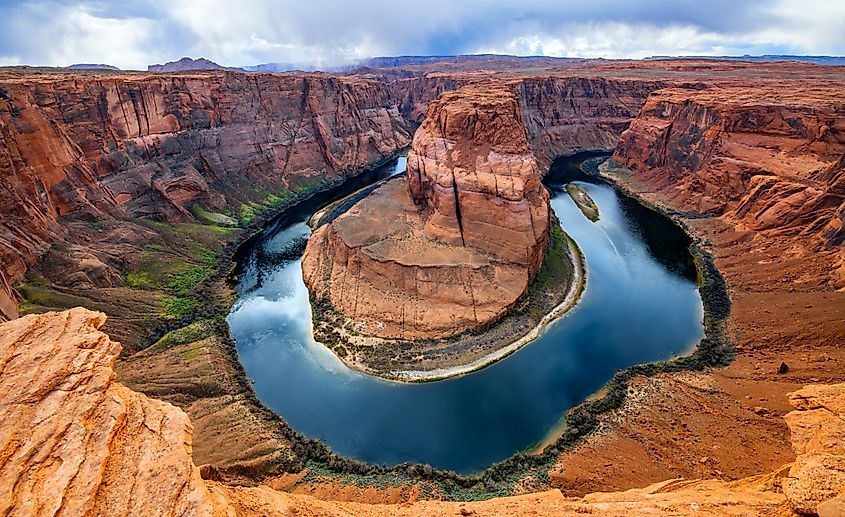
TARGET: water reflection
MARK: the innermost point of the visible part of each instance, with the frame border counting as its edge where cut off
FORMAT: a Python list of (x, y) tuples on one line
[(640, 305)]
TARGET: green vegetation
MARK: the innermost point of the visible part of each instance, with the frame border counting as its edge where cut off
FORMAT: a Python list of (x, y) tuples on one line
[(178, 307), (556, 269), (269, 203), (39, 298), (215, 218), (178, 269), (190, 333)]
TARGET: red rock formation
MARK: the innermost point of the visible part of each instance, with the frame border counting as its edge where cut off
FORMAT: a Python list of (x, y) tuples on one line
[(466, 253), (472, 173), (150, 146), (769, 159), (565, 115)]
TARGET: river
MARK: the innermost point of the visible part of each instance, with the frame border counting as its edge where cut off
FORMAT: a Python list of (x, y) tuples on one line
[(641, 304)]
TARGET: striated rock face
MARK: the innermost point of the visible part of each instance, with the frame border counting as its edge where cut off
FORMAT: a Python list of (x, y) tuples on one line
[(818, 437), (415, 94), (564, 115), (152, 146), (75, 442), (769, 158), (460, 246), (472, 173)]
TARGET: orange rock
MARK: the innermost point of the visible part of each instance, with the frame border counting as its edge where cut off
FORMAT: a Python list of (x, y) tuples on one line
[(151, 145), (76, 442), (818, 437), (465, 254), (769, 157)]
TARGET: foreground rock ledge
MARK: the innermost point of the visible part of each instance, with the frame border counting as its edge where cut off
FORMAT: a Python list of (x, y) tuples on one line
[(75, 442), (454, 247)]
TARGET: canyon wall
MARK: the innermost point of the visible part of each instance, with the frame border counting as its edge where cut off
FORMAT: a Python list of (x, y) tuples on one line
[(565, 115), (465, 250), (768, 158), (153, 146), (77, 442), (771, 155)]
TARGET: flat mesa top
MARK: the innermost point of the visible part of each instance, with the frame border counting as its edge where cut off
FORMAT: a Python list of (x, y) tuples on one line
[(389, 227)]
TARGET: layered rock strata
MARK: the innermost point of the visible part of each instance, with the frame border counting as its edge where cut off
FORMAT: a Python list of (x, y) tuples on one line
[(769, 159), (456, 249), (153, 146), (565, 115), (76, 442)]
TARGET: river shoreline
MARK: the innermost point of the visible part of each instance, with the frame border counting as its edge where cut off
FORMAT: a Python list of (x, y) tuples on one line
[(576, 424), (573, 296)]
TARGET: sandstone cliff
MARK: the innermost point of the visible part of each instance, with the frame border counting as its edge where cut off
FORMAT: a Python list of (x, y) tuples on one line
[(76, 442), (466, 252), (472, 173), (565, 115), (768, 158), (153, 146)]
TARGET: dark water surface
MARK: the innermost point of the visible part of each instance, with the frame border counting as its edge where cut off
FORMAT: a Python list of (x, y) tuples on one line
[(640, 305)]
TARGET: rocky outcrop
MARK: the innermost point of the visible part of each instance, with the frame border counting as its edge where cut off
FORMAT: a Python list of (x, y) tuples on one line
[(818, 437), (769, 158), (465, 250), (76, 442), (153, 146)]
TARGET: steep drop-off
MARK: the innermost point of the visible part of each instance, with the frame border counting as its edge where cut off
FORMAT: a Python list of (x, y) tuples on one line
[(769, 158), (77, 442), (565, 115), (156, 146), (464, 251)]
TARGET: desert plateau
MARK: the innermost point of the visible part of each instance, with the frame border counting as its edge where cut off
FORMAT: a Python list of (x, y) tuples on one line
[(460, 283)]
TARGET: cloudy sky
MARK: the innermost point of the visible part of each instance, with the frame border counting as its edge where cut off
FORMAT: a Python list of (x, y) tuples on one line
[(243, 32)]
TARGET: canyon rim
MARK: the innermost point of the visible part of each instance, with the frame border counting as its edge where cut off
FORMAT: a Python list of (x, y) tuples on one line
[(419, 285)]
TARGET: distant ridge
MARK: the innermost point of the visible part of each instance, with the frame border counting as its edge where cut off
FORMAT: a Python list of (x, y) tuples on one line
[(187, 64), (92, 66), (357, 65), (818, 60), (348, 65)]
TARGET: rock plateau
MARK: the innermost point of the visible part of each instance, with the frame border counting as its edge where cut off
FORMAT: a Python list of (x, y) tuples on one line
[(457, 243)]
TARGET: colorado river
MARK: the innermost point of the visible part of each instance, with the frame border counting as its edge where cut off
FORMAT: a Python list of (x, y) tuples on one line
[(640, 305)]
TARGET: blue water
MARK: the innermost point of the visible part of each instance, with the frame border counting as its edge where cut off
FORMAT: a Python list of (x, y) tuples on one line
[(635, 309)]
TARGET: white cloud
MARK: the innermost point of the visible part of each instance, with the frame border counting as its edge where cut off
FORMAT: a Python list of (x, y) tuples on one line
[(9, 60), (67, 34), (60, 32)]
